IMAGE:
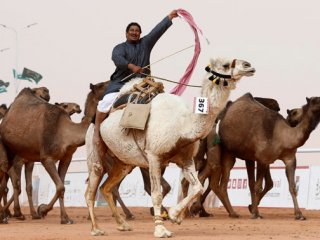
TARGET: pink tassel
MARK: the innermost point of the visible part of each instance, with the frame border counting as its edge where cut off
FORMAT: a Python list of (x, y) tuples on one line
[(179, 89)]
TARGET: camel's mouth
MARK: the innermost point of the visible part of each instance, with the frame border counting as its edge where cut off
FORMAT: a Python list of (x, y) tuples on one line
[(250, 72)]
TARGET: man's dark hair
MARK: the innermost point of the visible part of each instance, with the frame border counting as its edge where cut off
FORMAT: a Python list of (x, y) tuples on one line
[(133, 24)]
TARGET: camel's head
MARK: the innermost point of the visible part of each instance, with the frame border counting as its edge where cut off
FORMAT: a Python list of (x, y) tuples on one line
[(99, 89), (225, 71), (294, 116), (69, 107), (42, 92), (3, 110)]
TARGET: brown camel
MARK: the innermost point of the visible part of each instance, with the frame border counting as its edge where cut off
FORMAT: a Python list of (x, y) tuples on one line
[(42, 93), (208, 161), (3, 110), (264, 136), (49, 136), (70, 108)]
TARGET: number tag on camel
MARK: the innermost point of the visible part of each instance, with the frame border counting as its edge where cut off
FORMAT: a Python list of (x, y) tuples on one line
[(200, 105), (135, 116)]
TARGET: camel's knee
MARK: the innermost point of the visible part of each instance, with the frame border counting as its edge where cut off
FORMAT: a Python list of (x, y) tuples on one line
[(268, 185), (60, 189), (29, 189)]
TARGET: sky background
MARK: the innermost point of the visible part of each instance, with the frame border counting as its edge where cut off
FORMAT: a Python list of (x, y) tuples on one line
[(71, 43)]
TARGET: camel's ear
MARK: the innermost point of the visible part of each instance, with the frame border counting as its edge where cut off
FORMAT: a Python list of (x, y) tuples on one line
[(288, 111), (308, 100), (56, 104), (91, 86)]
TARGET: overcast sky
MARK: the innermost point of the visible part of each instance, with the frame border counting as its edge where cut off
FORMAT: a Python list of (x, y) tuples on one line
[(72, 40)]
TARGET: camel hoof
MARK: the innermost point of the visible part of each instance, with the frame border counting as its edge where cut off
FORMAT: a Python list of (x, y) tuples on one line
[(300, 217), (20, 217), (42, 212), (130, 217), (124, 227), (161, 232), (203, 213), (97, 232), (4, 220), (67, 221), (234, 215), (250, 208), (35, 216), (256, 216)]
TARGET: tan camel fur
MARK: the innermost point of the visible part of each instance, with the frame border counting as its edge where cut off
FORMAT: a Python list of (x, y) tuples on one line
[(172, 135), (49, 136), (272, 138), (208, 162)]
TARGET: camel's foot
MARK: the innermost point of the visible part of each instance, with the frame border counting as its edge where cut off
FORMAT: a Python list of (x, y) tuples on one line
[(3, 218), (8, 214), (97, 232), (299, 216), (21, 217), (256, 216), (42, 210), (234, 215), (66, 220), (161, 232), (130, 216), (204, 213), (124, 226), (35, 216), (174, 216), (164, 213)]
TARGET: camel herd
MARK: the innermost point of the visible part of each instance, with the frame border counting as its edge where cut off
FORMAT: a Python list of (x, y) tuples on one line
[(204, 146)]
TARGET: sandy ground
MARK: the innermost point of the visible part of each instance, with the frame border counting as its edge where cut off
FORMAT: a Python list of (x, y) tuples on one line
[(278, 223)]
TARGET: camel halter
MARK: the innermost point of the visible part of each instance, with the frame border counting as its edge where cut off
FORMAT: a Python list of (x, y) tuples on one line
[(217, 77)]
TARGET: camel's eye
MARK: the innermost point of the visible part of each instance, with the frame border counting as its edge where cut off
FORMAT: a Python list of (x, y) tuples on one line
[(226, 65)]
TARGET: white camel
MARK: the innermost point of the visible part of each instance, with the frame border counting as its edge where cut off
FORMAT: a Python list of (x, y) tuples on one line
[(172, 135)]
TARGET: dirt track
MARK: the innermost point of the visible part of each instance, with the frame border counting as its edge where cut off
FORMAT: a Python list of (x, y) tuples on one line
[(278, 223)]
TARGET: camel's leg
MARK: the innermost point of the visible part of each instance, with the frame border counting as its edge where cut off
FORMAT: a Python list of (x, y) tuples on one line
[(15, 176), (116, 197), (5, 191), (290, 172), (228, 162), (90, 194), (3, 186), (156, 195), (28, 168), (50, 167), (117, 173), (250, 165), (190, 174), (62, 170), (261, 172), (268, 185), (147, 187), (197, 206)]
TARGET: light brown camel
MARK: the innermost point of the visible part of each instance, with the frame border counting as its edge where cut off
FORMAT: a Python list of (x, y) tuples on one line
[(70, 108), (264, 136), (208, 163), (49, 136), (42, 93), (3, 110), (172, 135)]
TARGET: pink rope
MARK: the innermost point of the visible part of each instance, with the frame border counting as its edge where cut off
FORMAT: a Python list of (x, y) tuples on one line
[(179, 89)]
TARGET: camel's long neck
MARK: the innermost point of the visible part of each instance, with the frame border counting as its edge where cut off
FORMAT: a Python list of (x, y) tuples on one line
[(79, 131), (303, 130), (203, 123)]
